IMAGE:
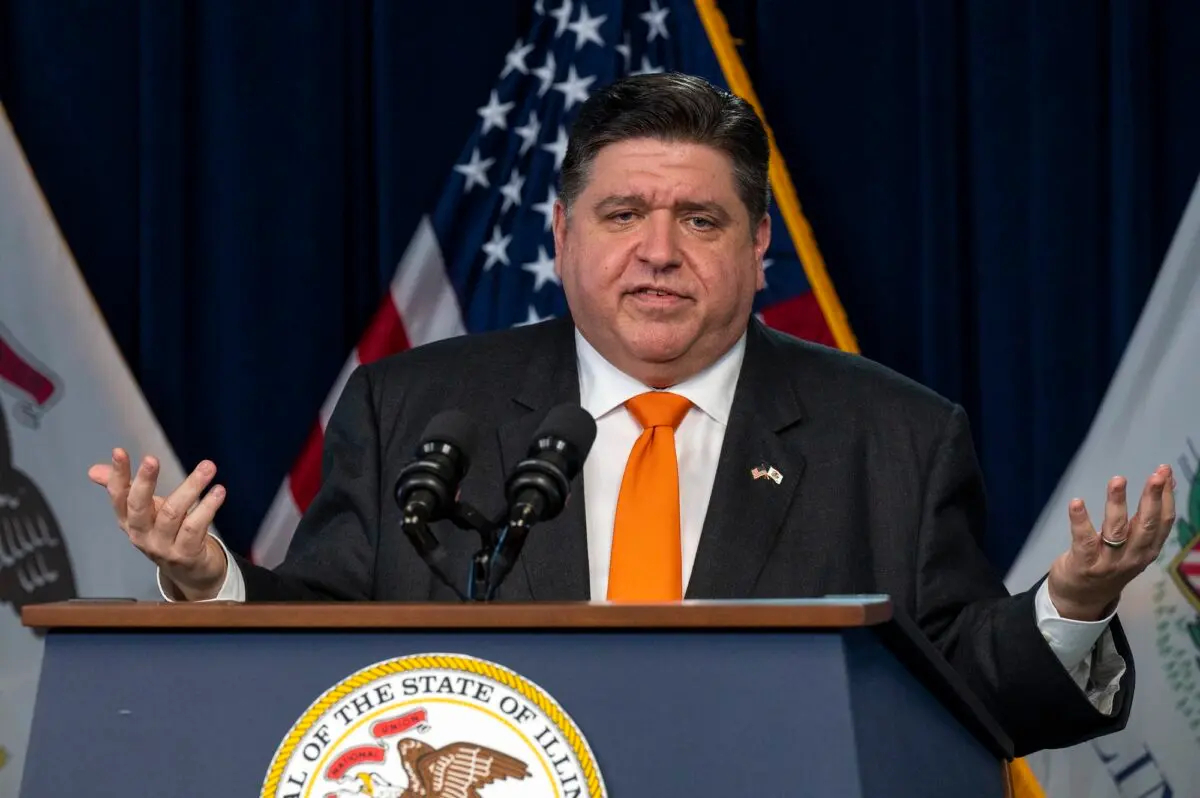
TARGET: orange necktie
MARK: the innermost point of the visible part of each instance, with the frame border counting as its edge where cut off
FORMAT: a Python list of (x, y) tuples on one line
[(647, 563)]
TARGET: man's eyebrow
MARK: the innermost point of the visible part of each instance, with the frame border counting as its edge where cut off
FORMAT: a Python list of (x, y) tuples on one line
[(621, 201), (639, 201), (714, 208)]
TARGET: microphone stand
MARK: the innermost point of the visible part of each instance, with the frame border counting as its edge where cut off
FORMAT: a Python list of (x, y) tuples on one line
[(429, 548), (506, 551), (464, 516)]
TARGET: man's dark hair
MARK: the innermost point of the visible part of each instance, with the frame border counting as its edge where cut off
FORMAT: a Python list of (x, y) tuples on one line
[(672, 107)]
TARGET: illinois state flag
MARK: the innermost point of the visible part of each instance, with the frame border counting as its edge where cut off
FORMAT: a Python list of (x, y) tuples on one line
[(1149, 416), (66, 399), (483, 257)]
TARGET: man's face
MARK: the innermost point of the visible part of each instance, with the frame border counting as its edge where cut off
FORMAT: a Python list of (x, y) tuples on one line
[(658, 259)]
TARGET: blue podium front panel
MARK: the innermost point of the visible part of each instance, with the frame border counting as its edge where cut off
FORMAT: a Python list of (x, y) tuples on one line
[(665, 713)]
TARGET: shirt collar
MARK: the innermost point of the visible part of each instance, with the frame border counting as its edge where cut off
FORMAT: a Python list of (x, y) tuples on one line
[(603, 387)]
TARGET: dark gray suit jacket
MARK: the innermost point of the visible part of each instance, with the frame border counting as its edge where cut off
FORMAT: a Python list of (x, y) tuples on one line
[(881, 493)]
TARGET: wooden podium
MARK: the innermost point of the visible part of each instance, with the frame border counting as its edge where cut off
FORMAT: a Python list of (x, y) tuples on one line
[(823, 697)]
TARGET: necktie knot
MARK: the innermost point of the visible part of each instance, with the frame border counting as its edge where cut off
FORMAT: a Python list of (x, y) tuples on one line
[(659, 409)]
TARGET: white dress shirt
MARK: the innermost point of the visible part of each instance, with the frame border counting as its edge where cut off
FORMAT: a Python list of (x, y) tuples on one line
[(1085, 648), (603, 391)]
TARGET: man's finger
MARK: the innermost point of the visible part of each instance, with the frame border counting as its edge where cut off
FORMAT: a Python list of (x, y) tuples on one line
[(100, 473), (1167, 513), (174, 510), (190, 541), (141, 513), (1144, 533), (1083, 534), (1116, 512), (118, 486)]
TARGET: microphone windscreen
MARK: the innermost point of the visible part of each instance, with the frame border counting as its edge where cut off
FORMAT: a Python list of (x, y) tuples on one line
[(571, 423), (453, 427)]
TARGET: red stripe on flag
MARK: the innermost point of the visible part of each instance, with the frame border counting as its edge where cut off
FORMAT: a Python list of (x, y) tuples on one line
[(305, 477), (384, 336), (20, 373), (1190, 568), (802, 317)]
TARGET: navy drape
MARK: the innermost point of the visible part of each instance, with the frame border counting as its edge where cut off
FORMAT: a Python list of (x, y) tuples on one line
[(992, 185)]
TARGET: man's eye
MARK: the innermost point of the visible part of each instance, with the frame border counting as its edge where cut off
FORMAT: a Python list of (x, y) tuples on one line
[(702, 223), (622, 216)]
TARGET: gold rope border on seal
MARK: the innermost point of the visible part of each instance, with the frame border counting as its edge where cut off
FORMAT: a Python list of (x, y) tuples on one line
[(478, 667)]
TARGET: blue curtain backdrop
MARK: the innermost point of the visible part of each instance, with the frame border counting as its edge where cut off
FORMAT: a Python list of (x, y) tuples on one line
[(992, 185)]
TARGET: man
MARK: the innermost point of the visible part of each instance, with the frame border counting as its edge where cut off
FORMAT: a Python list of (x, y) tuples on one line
[(871, 483)]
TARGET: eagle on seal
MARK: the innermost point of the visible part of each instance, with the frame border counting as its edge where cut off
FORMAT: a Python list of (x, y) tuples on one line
[(457, 770)]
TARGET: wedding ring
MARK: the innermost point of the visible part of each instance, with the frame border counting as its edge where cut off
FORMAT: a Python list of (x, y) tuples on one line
[(1115, 544)]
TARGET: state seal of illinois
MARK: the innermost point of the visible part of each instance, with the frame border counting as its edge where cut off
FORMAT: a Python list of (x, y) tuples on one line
[(434, 726)]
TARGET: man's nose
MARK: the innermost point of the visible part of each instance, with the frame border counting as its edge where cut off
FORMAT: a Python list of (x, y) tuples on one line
[(659, 245)]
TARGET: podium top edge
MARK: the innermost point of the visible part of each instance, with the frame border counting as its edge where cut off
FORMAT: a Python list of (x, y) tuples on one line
[(819, 613)]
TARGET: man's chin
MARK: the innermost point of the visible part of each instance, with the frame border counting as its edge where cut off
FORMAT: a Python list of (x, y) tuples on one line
[(655, 349)]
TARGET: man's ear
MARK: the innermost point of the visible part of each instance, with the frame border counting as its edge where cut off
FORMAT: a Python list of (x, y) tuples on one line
[(559, 224), (762, 241)]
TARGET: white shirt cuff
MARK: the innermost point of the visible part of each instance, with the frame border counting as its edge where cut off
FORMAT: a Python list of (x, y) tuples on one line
[(1085, 648), (232, 589)]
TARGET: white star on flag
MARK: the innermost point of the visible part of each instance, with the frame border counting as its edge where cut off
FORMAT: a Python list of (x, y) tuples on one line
[(516, 59), (624, 49), (542, 269), (656, 18), (495, 113), (574, 88), (545, 73), (559, 147), (767, 262), (512, 190), (475, 170), (562, 15), (647, 68), (529, 132), (587, 28), (533, 317), (547, 208), (496, 249)]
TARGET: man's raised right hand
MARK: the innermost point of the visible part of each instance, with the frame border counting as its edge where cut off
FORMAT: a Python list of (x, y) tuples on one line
[(171, 531)]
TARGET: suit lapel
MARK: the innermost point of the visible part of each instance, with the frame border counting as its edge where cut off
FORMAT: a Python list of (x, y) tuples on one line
[(554, 560), (745, 513)]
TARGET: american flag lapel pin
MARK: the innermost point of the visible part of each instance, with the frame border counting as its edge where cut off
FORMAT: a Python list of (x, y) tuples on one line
[(770, 472)]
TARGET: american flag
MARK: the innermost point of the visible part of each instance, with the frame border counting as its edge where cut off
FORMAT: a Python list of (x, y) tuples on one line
[(483, 259)]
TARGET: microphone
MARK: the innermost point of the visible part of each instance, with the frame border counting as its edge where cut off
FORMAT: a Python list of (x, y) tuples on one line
[(426, 487), (539, 485)]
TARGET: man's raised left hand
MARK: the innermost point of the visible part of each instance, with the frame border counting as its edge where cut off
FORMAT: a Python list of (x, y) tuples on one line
[(1086, 581)]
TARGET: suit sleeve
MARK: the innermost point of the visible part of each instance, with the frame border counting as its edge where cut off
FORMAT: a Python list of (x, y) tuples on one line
[(989, 637), (333, 551)]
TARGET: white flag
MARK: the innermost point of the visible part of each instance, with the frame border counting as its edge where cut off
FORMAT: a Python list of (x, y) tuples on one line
[(66, 399), (1150, 415)]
